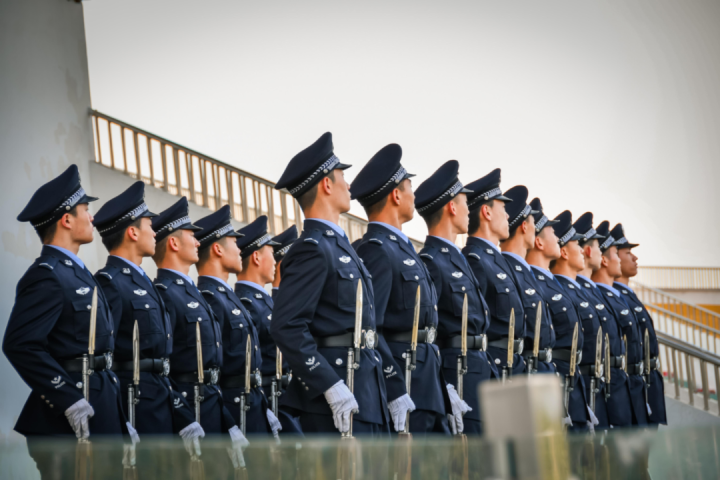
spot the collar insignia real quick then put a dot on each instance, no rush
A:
(258, 295)
(392, 237)
(270, 317)
(518, 268)
(557, 297)
(193, 304)
(625, 292)
(541, 277)
(68, 263)
(179, 281)
(236, 311)
(221, 289)
(609, 294)
(457, 274)
(530, 291)
(345, 259)
(409, 262)
(502, 276)
(140, 292)
(126, 271)
(329, 233)
(489, 251)
(571, 286)
(82, 290)
(444, 250)
(587, 285)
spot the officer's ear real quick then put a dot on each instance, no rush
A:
(217, 249)
(564, 253)
(256, 258)
(539, 244)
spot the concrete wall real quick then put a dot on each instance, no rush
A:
(44, 127)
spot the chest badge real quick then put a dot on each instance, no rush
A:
(193, 305)
(409, 262)
(179, 281)
(625, 312)
(457, 274)
(345, 259)
(236, 311)
(584, 304)
(557, 297)
(126, 271)
(502, 276)
(82, 290)
(518, 268)
(489, 251)
(530, 291)
(599, 306)
(638, 309)
(258, 295)
(388, 369)
(140, 292)
(221, 289)
(444, 249)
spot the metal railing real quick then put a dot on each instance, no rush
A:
(684, 329)
(685, 363)
(205, 181)
(680, 278)
(649, 295)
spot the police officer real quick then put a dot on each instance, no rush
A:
(284, 242)
(565, 270)
(628, 267)
(626, 405)
(488, 226)
(563, 314)
(47, 333)
(441, 201)
(315, 308)
(522, 230)
(125, 226)
(384, 189)
(175, 252)
(258, 269)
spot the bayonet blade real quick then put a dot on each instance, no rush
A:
(278, 364)
(607, 358)
(198, 349)
(511, 340)
(598, 351)
(416, 321)
(136, 354)
(248, 361)
(358, 316)
(573, 351)
(625, 354)
(538, 324)
(646, 346)
(463, 331)
(93, 323)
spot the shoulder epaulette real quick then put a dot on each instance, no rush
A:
(426, 255)
(207, 291)
(161, 285)
(108, 271)
(48, 262)
(46, 265)
(473, 254)
(375, 240)
(243, 299)
(314, 236)
(311, 240)
(105, 274)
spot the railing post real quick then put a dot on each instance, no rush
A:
(137, 155)
(112, 150)
(717, 385)
(243, 198)
(691, 383)
(99, 145)
(166, 186)
(178, 179)
(124, 150)
(705, 386)
(203, 177)
(676, 372)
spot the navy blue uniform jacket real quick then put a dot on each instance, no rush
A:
(49, 324)
(132, 297)
(530, 297)
(187, 307)
(496, 279)
(397, 271)
(316, 298)
(453, 278)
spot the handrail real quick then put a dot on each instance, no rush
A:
(650, 295)
(205, 181)
(687, 348)
(685, 329)
(680, 278)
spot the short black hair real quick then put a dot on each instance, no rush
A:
(307, 199)
(204, 251)
(114, 240)
(380, 204)
(47, 233)
(161, 247)
(474, 224)
(432, 219)
(583, 243)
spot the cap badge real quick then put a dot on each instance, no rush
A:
(530, 291)
(236, 311)
(502, 276)
(82, 290)
(140, 292)
(638, 309)
(557, 297)
(457, 274)
(409, 262)
(518, 268)
(193, 304)
(444, 250)
(345, 259)
(179, 281)
(68, 263)
(584, 304)
(625, 312)
(489, 251)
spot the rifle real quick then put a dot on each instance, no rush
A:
(646, 365)
(459, 467)
(83, 452)
(570, 377)
(244, 396)
(597, 371)
(197, 468)
(276, 384)
(411, 357)
(608, 371)
(130, 472)
(535, 360)
(507, 369)
(462, 358)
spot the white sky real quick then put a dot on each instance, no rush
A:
(612, 107)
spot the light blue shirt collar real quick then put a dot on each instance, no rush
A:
(185, 277)
(396, 231)
(571, 280)
(220, 281)
(495, 247)
(543, 271)
(72, 256)
(332, 225)
(136, 267)
(612, 289)
(254, 285)
(519, 259)
(625, 286)
(585, 279)
(448, 242)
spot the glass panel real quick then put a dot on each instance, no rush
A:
(104, 142)
(156, 153)
(210, 184)
(117, 146)
(129, 140)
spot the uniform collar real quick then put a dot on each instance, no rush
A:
(586, 279)
(612, 289)
(330, 224)
(181, 275)
(447, 241)
(495, 247)
(571, 280)
(394, 230)
(519, 259)
(136, 267)
(544, 272)
(218, 280)
(253, 285)
(69, 254)
(624, 286)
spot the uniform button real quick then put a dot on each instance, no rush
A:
(51, 405)
(168, 335)
(218, 344)
(352, 276)
(590, 316)
(507, 289)
(47, 401)
(417, 278)
(306, 388)
(114, 379)
(533, 304)
(184, 394)
(89, 307)
(147, 306)
(237, 399)
(199, 319)
(564, 309)
(42, 396)
(78, 384)
(112, 332)
(371, 306)
(463, 289)
(604, 319)
(256, 347)
(436, 308)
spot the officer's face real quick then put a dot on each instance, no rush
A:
(593, 255)
(146, 237)
(612, 262)
(530, 233)
(341, 191)
(575, 256)
(499, 224)
(407, 201)
(462, 213)
(81, 224)
(550, 242)
(188, 246)
(266, 258)
(628, 262)
(231, 260)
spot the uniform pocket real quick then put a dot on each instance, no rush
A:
(81, 319)
(207, 334)
(149, 318)
(347, 287)
(411, 280)
(502, 299)
(458, 296)
(560, 318)
(238, 334)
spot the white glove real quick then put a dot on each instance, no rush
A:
(134, 437)
(191, 436)
(593, 418)
(128, 455)
(459, 408)
(342, 403)
(398, 411)
(275, 425)
(567, 421)
(591, 428)
(78, 414)
(239, 443)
